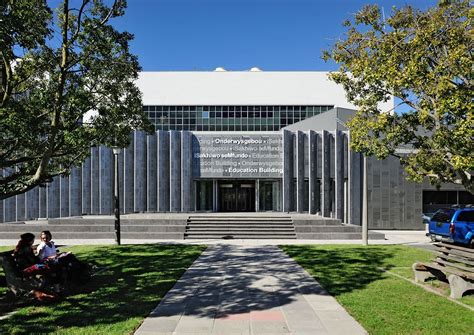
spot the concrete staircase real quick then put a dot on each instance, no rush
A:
(239, 227)
(319, 228)
(89, 227)
(180, 226)
(271, 226)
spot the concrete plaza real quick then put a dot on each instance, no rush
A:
(232, 289)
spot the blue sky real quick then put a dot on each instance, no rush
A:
(277, 35)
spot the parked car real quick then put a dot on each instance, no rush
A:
(426, 217)
(453, 225)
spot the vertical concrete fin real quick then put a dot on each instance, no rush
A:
(287, 169)
(313, 172)
(20, 207)
(106, 191)
(139, 172)
(151, 173)
(186, 171)
(128, 177)
(32, 204)
(121, 160)
(64, 196)
(75, 192)
(299, 171)
(164, 171)
(53, 198)
(95, 183)
(175, 171)
(86, 186)
(339, 174)
(325, 180)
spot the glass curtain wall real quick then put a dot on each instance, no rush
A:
(229, 118)
(203, 195)
(269, 195)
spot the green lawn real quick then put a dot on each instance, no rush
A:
(115, 301)
(383, 303)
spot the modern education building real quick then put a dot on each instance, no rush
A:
(233, 141)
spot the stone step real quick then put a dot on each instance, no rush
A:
(58, 236)
(338, 236)
(243, 223)
(238, 224)
(189, 230)
(248, 232)
(327, 229)
(317, 222)
(240, 237)
(230, 218)
(34, 228)
(124, 221)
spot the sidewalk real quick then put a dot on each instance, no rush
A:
(408, 237)
(233, 289)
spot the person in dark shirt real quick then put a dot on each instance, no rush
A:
(24, 253)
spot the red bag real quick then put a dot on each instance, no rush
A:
(36, 269)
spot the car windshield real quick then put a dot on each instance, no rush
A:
(443, 215)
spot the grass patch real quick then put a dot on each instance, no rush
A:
(382, 303)
(116, 300)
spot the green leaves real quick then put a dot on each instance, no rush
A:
(58, 65)
(425, 60)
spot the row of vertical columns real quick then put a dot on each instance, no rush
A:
(329, 199)
(155, 174)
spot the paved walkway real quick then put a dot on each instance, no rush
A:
(232, 289)
(408, 237)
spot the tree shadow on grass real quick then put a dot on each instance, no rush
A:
(342, 269)
(135, 279)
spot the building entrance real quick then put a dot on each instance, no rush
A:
(237, 196)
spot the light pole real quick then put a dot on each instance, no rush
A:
(116, 151)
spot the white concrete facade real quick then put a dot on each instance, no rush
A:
(243, 88)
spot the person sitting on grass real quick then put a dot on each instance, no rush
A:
(65, 263)
(25, 259)
(46, 249)
(24, 254)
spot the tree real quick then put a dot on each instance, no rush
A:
(425, 60)
(56, 66)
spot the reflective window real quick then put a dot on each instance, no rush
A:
(228, 118)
